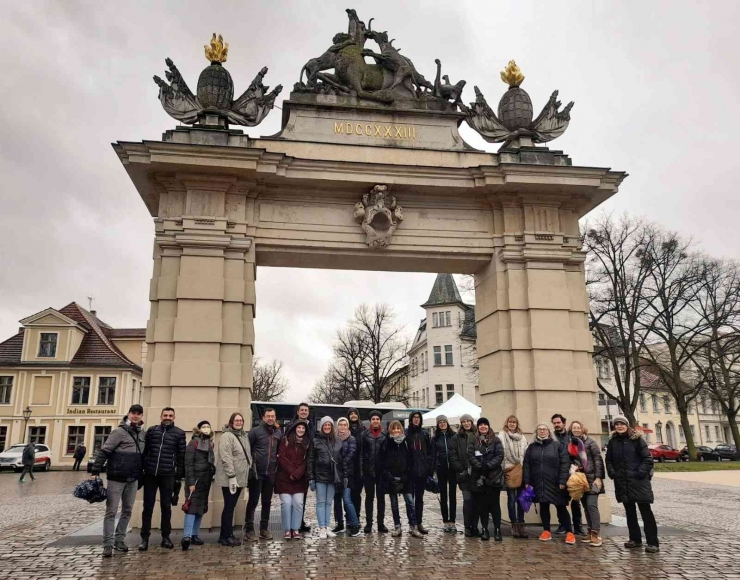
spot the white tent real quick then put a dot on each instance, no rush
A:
(456, 406)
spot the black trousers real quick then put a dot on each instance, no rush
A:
(372, 489)
(648, 521)
(76, 466)
(227, 516)
(470, 515)
(259, 488)
(27, 469)
(419, 485)
(152, 484)
(563, 516)
(448, 495)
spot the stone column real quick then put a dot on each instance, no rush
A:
(200, 334)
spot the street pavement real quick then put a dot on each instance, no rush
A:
(37, 520)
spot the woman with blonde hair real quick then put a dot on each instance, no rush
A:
(515, 446)
(585, 457)
(232, 473)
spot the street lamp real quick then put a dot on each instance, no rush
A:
(26, 416)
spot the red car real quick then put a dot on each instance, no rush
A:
(664, 453)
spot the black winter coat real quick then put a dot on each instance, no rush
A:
(393, 466)
(357, 429)
(200, 467)
(630, 464)
(369, 450)
(462, 442)
(487, 470)
(164, 451)
(546, 468)
(80, 452)
(421, 452)
(442, 448)
(264, 441)
(323, 455)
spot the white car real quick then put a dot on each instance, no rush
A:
(12, 458)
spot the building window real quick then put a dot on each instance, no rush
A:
(75, 437)
(435, 320)
(448, 320)
(647, 435)
(706, 432)
(437, 355)
(6, 389)
(81, 391)
(693, 431)
(450, 391)
(448, 354)
(643, 403)
(716, 434)
(602, 399)
(681, 433)
(667, 403)
(659, 433)
(714, 407)
(37, 435)
(101, 434)
(690, 408)
(438, 394)
(107, 391)
(656, 407)
(3, 438)
(48, 344)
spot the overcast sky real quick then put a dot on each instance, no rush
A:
(656, 87)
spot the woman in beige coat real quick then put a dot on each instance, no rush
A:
(232, 473)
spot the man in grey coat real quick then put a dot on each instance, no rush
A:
(122, 453)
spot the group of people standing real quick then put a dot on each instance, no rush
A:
(339, 460)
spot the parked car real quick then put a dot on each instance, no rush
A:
(703, 453)
(727, 451)
(665, 453)
(12, 458)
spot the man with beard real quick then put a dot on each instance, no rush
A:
(263, 440)
(560, 434)
(164, 463)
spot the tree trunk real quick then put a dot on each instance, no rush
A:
(687, 433)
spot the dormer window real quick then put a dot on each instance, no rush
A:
(48, 345)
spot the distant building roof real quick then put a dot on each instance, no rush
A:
(96, 348)
(444, 291)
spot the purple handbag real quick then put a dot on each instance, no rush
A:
(526, 498)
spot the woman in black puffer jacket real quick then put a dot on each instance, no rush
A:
(546, 467)
(200, 467)
(461, 443)
(486, 456)
(630, 464)
(445, 474)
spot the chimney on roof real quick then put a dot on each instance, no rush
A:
(94, 312)
(21, 328)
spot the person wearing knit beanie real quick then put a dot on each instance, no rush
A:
(620, 419)
(446, 476)
(482, 421)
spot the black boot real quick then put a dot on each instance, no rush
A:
(166, 543)
(338, 529)
(497, 535)
(120, 547)
(196, 541)
(468, 532)
(485, 535)
(368, 528)
(107, 551)
(382, 529)
(305, 528)
(144, 546)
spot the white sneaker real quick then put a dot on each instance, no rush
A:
(322, 533)
(329, 533)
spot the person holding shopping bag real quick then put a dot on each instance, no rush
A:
(200, 467)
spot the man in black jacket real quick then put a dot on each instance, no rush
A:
(303, 413)
(560, 434)
(79, 455)
(356, 428)
(122, 452)
(421, 458)
(164, 462)
(371, 443)
(263, 440)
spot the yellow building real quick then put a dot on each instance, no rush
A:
(76, 375)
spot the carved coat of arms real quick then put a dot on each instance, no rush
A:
(379, 215)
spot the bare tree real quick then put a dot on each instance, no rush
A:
(268, 382)
(328, 391)
(384, 348)
(617, 271)
(351, 351)
(675, 329)
(718, 361)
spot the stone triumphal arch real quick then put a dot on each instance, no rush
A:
(368, 172)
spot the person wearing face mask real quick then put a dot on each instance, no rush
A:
(546, 469)
(291, 479)
(372, 440)
(446, 476)
(515, 446)
(393, 467)
(630, 464)
(462, 444)
(200, 467)
(486, 458)
(232, 473)
(585, 456)
(164, 464)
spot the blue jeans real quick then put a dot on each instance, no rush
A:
(191, 527)
(408, 499)
(349, 507)
(291, 510)
(324, 498)
(516, 513)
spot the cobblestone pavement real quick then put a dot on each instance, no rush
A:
(52, 513)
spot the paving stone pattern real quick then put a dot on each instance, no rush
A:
(26, 551)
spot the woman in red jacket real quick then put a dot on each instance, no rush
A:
(291, 479)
